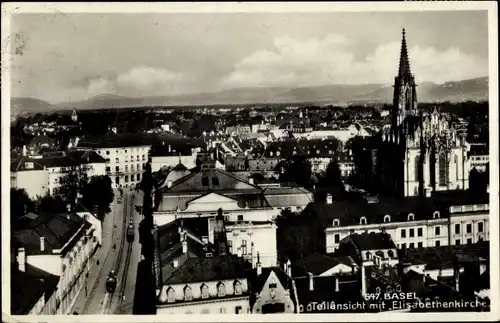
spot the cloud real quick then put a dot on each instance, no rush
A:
(137, 81)
(292, 62)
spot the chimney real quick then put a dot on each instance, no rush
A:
(251, 181)
(259, 265)
(169, 148)
(311, 282)
(239, 252)
(363, 281)
(176, 263)
(289, 268)
(169, 183)
(337, 285)
(25, 150)
(42, 244)
(329, 198)
(68, 207)
(427, 192)
(21, 259)
(457, 278)
(184, 246)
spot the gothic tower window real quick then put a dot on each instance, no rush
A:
(443, 170)
(456, 166)
(417, 168)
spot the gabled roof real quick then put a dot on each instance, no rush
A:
(256, 282)
(25, 291)
(317, 264)
(57, 230)
(57, 159)
(372, 241)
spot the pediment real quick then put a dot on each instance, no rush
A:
(212, 202)
(212, 198)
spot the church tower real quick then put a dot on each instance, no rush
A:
(405, 94)
(220, 237)
(74, 116)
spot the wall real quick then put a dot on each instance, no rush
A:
(264, 238)
(35, 182)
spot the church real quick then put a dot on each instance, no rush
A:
(418, 152)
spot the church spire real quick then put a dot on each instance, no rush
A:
(404, 61)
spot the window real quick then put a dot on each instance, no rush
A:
(387, 218)
(336, 238)
(138, 167)
(368, 255)
(378, 290)
(204, 291)
(126, 178)
(240, 217)
(117, 180)
(230, 246)
(390, 254)
(469, 241)
(443, 170)
(438, 243)
(244, 247)
(117, 168)
(125, 150)
(131, 168)
(398, 288)
(223, 310)
(138, 177)
(108, 169)
(137, 158)
(457, 228)
(389, 288)
(420, 232)
(480, 227)
(436, 215)
(456, 166)
(221, 290)
(403, 233)
(403, 246)
(143, 157)
(237, 309)
(417, 168)
(170, 295)
(362, 220)
(188, 293)
(237, 288)
(420, 244)
(336, 222)
(437, 231)
(411, 217)
(215, 181)
(204, 181)
(412, 245)
(126, 168)
(457, 242)
(107, 152)
(412, 233)
(469, 228)
(117, 160)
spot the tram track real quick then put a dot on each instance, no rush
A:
(116, 297)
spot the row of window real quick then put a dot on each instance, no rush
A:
(387, 218)
(437, 230)
(389, 289)
(117, 160)
(133, 150)
(126, 178)
(437, 243)
(205, 181)
(204, 291)
(380, 253)
(132, 168)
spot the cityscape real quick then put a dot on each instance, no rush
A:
(365, 196)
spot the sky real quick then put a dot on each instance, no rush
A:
(75, 56)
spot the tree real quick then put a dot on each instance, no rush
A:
(20, 203)
(73, 182)
(50, 204)
(98, 192)
(295, 169)
(332, 177)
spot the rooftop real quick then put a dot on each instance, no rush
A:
(372, 241)
(58, 159)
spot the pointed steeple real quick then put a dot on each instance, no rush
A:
(404, 61)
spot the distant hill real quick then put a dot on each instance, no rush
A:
(473, 89)
(30, 105)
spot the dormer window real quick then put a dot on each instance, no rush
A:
(362, 220)
(389, 289)
(188, 293)
(277, 153)
(238, 290)
(368, 255)
(411, 217)
(170, 295)
(221, 290)
(436, 215)
(387, 218)
(390, 254)
(378, 290)
(336, 222)
(271, 153)
(398, 288)
(204, 291)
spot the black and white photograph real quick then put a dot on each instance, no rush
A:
(250, 158)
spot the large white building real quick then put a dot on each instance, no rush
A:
(40, 175)
(249, 210)
(61, 245)
(413, 222)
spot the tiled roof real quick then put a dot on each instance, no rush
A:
(287, 196)
(316, 264)
(25, 291)
(61, 159)
(324, 291)
(350, 213)
(286, 148)
(57, 230)
(175, 147)
(113, 140)
(372, 241)
(445, 256)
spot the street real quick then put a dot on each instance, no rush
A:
(123, 259)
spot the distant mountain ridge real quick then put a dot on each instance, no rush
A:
(472, 89)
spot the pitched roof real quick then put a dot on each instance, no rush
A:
(287, 196)
(372, 241)
(58, 159)
(25, 291)
(56, 229)
(118, 140)
(317, 264)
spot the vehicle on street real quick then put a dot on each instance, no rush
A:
(130, 232)
(111, 282)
